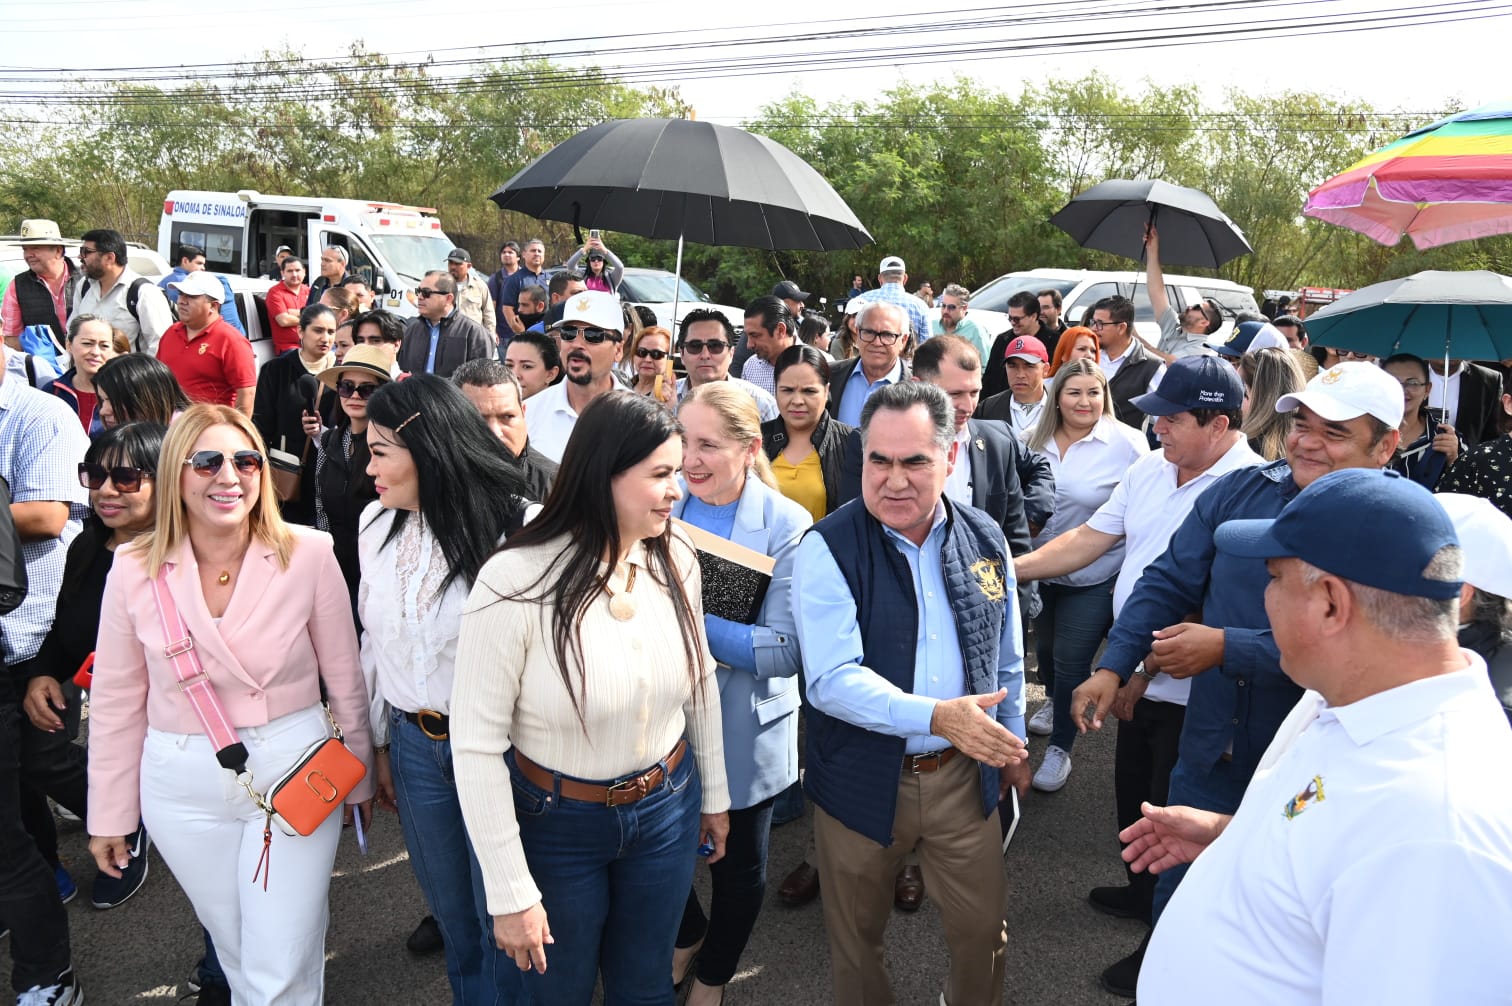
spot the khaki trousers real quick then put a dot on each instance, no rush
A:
(960, 852)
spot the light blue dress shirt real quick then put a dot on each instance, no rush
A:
(830, 636)
(858, 389)
(435, 340)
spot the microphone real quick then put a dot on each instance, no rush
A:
(309, 390)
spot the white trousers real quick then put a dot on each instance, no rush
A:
(270, 943)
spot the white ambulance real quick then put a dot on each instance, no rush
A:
(389, 245)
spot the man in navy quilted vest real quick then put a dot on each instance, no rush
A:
(913, 662)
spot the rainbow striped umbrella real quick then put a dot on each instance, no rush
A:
(1447, 182)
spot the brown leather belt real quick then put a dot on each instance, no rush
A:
(436, 726)
(627, 791)
(922, 764)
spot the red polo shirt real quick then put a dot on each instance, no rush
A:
(280, 299)
(213, 365)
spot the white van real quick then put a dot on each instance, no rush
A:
(1081, 288)
(389, 245)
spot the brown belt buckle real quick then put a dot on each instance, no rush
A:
(917, 763)
(636, 785)
(420, 717)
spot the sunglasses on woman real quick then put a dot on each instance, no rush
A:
(651, 354)
(207, 464)
(346, 389)
(125, 478)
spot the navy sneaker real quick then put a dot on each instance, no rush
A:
(67, 889)
(112, 891)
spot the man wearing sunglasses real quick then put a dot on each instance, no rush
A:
(707, 347)
(441, 339)
(591, 335)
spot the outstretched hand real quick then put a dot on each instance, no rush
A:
(1169, 836)
(965, 723)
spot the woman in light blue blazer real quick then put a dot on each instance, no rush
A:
(731, 493)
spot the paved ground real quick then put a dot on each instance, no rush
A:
(141, 952)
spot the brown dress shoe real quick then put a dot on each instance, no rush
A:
(908, 890)
(800, 887)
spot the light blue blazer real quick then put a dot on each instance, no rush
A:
(760, 711)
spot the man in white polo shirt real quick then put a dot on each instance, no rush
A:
(1370, 860)
(1196, 406)
(591, 333)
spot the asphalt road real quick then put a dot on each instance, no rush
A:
(1065, 844)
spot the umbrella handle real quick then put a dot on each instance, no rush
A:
(577, 231)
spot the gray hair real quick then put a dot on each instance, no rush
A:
(904, 396)
(341, 253)
(440, 280)
(487, 372)
(1402, 617)
(905, 324)
(957, 291)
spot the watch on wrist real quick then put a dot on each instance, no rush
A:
(1140, 672)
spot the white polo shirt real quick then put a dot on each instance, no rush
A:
(1146, 508)
(1370, 862)
(549, 420)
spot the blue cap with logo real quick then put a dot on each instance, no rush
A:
(1193, 382)
(1250, 337)
(1374, 527)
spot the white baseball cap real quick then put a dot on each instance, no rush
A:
(602, 310)
(892, 264)
(200, 284)
(1348, 391)
(1485, 535)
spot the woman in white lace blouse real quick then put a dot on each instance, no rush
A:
(446, 497)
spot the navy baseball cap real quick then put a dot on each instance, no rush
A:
(1193, 382)
(788, 290)
(1374, 527)
(1252, 335)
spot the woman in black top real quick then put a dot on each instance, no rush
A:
(802, 376)
(342, 485)
(287, 388)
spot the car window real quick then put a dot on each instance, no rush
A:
(996, 294)
(1079, 310)
(1231, 301)
(657, 288)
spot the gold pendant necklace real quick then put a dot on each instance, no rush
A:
(224, 578)
(621, 605)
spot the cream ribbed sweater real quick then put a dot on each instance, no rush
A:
(509, 692)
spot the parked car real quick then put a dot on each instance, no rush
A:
(140, 259)
(1081, 288)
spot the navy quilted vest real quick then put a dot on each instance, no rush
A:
(852, 772)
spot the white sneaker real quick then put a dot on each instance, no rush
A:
(1053, 771)
(1043, 720)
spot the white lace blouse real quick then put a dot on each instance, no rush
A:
(409, 628)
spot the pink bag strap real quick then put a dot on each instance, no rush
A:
(192, 679)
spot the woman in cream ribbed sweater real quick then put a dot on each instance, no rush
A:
(586, 721)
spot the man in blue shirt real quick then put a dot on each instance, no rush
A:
(883, 331)
(191, 259)
(891, 275)
(1347, 417)
(913, 662)
(529, 274)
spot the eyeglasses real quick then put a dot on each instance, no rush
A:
(424, 291)
(1014, 319)
(125, 479)
(954, 307)
(207, 464)
(592, 336)
(873, 335)
(1413, 384)
(651, 354)
(696, 347)
(1098, 326)
(346, 389)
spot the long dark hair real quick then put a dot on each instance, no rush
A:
(614, 433)
(140, 387)
(469, 492)
(130, 445)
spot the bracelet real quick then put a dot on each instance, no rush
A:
(381, 749)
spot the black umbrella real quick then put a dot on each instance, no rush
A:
(1111, 217)
(682, 179)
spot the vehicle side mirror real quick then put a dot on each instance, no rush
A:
(380, 284)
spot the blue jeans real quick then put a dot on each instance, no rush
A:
(614, 881)
(211, 974)
(446, 867)
(739, 889)
(1218, 789)
(1067, 632)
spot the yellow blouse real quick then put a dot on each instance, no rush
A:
(802, 483)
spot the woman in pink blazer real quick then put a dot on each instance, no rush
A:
(267, 609)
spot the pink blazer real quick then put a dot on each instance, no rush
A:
(283, 631)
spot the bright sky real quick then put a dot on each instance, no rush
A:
(1416, 68)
